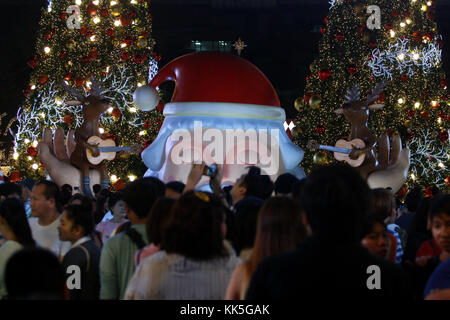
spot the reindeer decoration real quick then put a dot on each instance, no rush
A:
(390, 167)
(93, 106)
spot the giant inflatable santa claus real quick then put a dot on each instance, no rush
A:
(224, 110)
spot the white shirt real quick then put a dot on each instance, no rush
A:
(48, 237)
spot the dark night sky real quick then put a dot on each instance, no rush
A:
(20, 20)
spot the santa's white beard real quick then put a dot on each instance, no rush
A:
(182, 141)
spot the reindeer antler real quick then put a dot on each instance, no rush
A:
(73, 92)
(353, 94)
(375, 92)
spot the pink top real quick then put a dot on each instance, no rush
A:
(145, 252)
(107, 227)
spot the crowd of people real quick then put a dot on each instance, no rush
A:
(322, 236)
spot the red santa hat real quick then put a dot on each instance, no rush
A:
(215, 77)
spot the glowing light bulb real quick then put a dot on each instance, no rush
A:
(402, 24)
(441, 165)
(416, 56)
(439, 120)
(34, 166)
(143, 132)
(58, 101)
(123, 45)
(88, 84)
(107, 69)
(400, 101)
(113, 3)
(417, 105)
(133, 109)
(114, 178)
(392, 32)
(30, 158)
(78, 2)
(110, 109)
(95, 2)
(35, 143)
(42, 115)
(434, 103)
(408, 21)
(131, 178)
(101, 130)
(401, 56)
(413, 176)
(96, 20)
(33, 87)
(429, 3)
(47, 50)
(92, 38)
(424, 8)
(15, 155)
(139, 84)
(27, 141)
(133, 2)
(117, 23)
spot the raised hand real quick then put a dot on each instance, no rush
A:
(55, 154)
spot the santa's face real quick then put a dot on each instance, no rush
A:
(235, 150)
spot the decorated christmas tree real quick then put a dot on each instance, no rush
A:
(404, 50)
(77, 40)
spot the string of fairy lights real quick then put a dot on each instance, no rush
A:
(111, 42)
(406, 51)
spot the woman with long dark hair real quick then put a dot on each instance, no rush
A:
(279, 229)
(15, 229)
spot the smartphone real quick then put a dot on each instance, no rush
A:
(210, 171)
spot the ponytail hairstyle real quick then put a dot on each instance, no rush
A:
(13, 212)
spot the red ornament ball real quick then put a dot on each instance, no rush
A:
(372, 44)
(119, 185)
(323, 29)
(43, 78)
(110, 32)
(425, 115)
(404, 77)
(79, 82)
(62, 55)
(320, 129)
(116, 113)
(324, 74)
(352, 69)
(68, 76)
(128, 41)
(411, 113)
(68, 119)
(125, 20)
(32, 64)
(104, 12)
(14, 176)
(146, 124)
(83, 30)
(91, 9)
(382, 97)
(125, 55)
(444, 83)
(63, 16)
(139, 58)
(32, 151)
(443, 135)
(417, 36)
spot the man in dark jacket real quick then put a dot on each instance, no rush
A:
(331, 263)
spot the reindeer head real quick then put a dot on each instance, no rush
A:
(94, 104)
(357, 111)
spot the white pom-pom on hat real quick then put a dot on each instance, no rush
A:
(146, 98)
